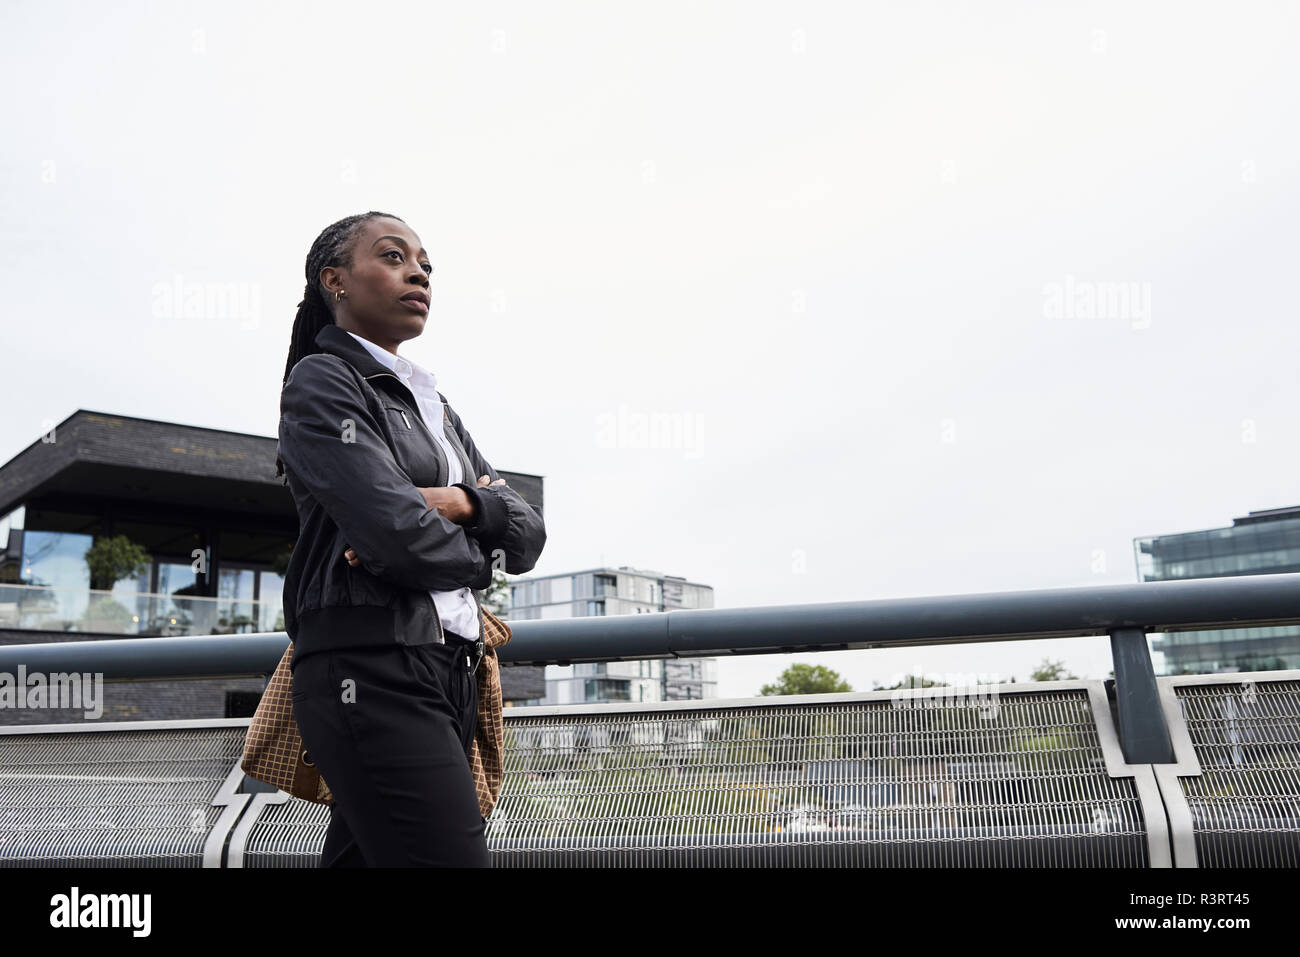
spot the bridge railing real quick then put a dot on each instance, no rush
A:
(1138, 771)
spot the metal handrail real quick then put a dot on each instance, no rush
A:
(1124, 612)
(1192, 604)
(1185, 605)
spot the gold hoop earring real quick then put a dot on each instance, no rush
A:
(340, 294)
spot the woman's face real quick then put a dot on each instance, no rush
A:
(387, 288)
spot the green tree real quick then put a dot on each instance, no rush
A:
(1051, 671)
(109, 560)
(496, 597)
(807, 679)
(112, 559)
(911, 681)
(803, 736)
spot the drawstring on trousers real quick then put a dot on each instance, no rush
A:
(474, 651)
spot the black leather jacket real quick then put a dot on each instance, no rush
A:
(354, 449)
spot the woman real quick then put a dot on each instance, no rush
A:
(380, 596)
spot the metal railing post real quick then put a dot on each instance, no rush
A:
(1143, 734)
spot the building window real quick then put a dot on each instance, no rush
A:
(607, 689)
(235, 613)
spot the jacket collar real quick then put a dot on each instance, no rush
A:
(337, 342)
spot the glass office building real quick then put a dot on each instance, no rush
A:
(1260, 543)
(616, 591)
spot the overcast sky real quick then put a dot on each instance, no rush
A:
(941, 298)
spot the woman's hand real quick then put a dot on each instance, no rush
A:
(452, 504)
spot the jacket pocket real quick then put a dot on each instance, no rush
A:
(413, 447)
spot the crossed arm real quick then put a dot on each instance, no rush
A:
(428, 538)
(454, 504)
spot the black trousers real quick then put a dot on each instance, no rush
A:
(390, 728)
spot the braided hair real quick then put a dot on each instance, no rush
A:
(333, 247)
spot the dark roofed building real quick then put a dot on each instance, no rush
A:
(214, 527)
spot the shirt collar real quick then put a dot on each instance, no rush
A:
(403, 368)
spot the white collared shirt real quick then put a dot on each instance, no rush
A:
(456, 608)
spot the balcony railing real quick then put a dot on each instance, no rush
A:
(144, 614)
